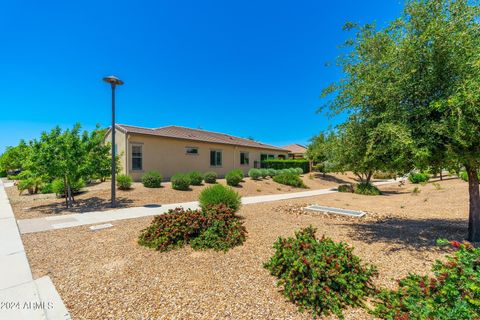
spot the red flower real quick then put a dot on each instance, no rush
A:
(455, 244)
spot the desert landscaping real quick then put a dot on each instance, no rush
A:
(105, 274)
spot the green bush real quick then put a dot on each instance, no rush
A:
(345, 188)
(453, 292)
(219, 194)
(152, 179)
(32, 184)
(298, 170)
(238, 172)
(3, 174)
(272, 172)
(289, 179)
(46, 188)
(284, 164)
(367, 189)
(124, 182)
(320, 275)
(264, 173)
(233, 178)
(180, 181)
(255, 174)
(418, 177)
(196, 178)
(58, 187)
(215, 227)
(210, 177)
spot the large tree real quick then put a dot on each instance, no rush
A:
(423, 72)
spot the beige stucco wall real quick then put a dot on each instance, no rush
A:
(168, 156)
(120, 141)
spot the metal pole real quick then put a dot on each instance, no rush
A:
(113, 146)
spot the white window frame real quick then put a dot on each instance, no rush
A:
(221, 158)
(140, 145)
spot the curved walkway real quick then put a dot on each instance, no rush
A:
(99, 217)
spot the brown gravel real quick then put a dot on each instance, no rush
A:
(97, 197)
(107, 275)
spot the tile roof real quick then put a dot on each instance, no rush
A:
(295, 148)
(197, 135)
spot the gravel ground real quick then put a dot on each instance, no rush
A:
(107, 275)
(97, 197)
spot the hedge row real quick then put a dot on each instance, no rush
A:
(285, 164)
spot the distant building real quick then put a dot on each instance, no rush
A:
(296, 151)
(175, 149)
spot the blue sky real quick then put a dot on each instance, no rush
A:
(248, 68)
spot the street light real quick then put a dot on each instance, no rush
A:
(114, 81)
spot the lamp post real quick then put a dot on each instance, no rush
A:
(114, 81)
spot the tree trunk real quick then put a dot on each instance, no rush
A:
(65, 191)
(474, 213)
(369, 177)
(441, 175)
(70, 195)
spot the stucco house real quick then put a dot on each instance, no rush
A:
(296, 151)
(174, 149)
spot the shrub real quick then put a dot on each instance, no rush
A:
(58, 187)
(219, 194)
(289, 179)
(3, 173)
(298, 170)
(255, 174)
(289, 163)
(215, 227)
(32, 184)
(180, 181)
(152, 179)
(464, 176)
(345, 188)
(418, 177)
(272, 172)
(223, 230)
(451, 293)
(384, 175)
(196, 178)
(233, 178)
(124, 182)
(238, 172)
(46, 188)
(264, 173)
(210, 177)
(416, 191)
(367, 189)
(320, 275)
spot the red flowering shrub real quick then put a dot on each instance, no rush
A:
(452, 293)
(319, 274)
(214, 227)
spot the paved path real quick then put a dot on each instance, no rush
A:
(100, 217)
(21, 297)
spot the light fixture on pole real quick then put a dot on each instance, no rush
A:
(114, 81)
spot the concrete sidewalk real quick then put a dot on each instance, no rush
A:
(21, 297)
(100, 217)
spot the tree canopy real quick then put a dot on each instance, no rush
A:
(415, 88)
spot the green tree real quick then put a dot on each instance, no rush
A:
(317, 152)
(60, 155)
(15, 157)
(423, 72)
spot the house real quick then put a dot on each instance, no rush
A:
(174, 149)
(296, 151)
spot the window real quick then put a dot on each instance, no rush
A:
(244, 158)
(215, 158)
(191, 150)
(271, 156)
(137, 157)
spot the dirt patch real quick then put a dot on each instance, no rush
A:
(97, 197)
(107, 275)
